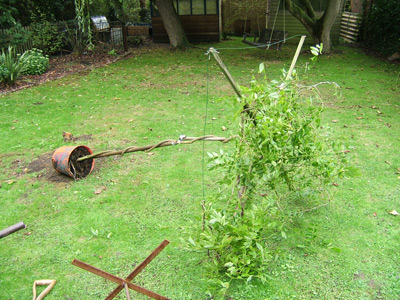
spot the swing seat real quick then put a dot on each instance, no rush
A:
(265, 40)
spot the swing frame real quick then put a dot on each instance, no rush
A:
(268, 39)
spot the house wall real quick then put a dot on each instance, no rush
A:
(238, 14)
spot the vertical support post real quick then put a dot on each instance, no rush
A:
(125, 37)
(138, 269)
(296, 56)
(226, 72)
(128, 297)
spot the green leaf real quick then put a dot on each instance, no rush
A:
(336, 249)
(261, 68)
(191, 241)
(314, 51)
(95, 232)
(228, 264)
(352, 172)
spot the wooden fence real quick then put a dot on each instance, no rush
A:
(21, 47)
(350, 26)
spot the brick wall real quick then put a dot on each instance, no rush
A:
(236, 14)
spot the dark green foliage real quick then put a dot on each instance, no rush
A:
(79, 32)
(35, 62)
(134, 41)
(14, 33)
(76, 38)
(52, 9)
(3, 72)
(383, 26)
(46, 35)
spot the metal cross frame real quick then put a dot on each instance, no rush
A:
(126, 283)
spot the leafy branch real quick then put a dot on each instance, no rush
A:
(283, 155)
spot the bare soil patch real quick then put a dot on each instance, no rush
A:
(42, 165)
(61, 66)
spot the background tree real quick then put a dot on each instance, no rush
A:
(14, 33)
(383, 26)
(60, 10)
(319, 28)
(172, 24)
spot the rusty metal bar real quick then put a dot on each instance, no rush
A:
(117, 280)
(139, 269)
(12, 229)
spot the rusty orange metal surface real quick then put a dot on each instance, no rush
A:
(61, 159)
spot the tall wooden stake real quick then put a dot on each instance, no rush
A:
(225, 71)
(296, 56)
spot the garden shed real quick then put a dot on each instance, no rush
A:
(239, 16)
(200, 19)
(208, 20)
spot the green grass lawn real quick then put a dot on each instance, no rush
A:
(117, 215)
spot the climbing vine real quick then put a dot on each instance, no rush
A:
(283, 155)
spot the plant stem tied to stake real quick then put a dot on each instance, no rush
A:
(182, 140)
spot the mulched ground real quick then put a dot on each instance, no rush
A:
(68, 64)
(59, 67)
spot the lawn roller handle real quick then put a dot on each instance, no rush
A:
(12, 229)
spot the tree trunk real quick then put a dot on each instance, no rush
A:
(172, 24)
(320, 29)
(328, 19)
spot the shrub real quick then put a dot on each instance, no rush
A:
(76, 38)
(383, 36)
(12, 65)
(12, 32)
(36, 63)
(3, 72)
(46, 36)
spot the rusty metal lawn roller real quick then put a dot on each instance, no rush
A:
(65, 161)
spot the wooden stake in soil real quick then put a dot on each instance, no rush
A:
(126, 283)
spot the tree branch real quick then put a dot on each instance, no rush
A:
(307, 19)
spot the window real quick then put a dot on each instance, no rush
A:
(197, 7)
(184, 7)
(191, 7)
(211, 6)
